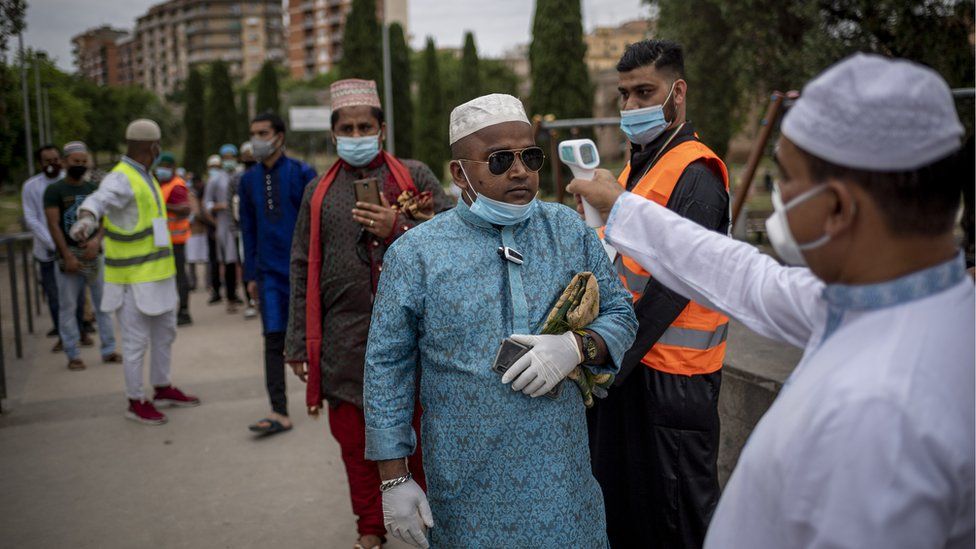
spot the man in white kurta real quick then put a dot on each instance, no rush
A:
(146, 311)
(871, 440)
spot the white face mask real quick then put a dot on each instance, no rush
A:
(778, 228)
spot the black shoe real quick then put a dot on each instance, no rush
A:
(52, 333)
(88, 327)
(183, 319)
(214, 299)
(235, 301)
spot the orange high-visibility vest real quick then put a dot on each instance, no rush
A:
(179, 225)
(695, 341)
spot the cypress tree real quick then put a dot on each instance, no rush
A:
(469, 83)
(221, 115)
(194, 148)
(560, 81)
(244, 115)
(362, 47)
(402, 102)
(268, 95)
(431, 144)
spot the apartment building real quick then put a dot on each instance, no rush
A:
(605, 45)
(96, 54)
(315, 29)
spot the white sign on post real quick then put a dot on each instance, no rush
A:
(309, 119)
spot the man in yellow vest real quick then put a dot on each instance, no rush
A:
(178, 210)
(654, 440)
(140, 274)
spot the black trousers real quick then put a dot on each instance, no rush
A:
(213, 266)
(49, 285)
(182, 284)
(274, 371)
(654, 443)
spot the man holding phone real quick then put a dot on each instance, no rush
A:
(270, 194)
(364, 203)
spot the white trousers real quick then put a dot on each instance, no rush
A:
(139, 333)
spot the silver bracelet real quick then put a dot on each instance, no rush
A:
(394, 482)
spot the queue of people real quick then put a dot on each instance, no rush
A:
(424, 330)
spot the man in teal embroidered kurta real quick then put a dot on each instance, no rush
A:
(503, 469)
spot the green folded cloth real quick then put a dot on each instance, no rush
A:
(577, 308)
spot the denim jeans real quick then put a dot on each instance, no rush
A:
(71, 292)
(50, 287)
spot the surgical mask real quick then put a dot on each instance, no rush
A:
(164, 174)
(77, 172)
(495, 212)
(52, 170)
(262, 149)
(644, 125)
(778, 228)
(213, 173)
(229, 165)
(358, 151)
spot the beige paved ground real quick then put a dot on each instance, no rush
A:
(74, 473)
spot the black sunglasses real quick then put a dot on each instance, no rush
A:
(500, 162)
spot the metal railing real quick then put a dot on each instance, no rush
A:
(14, 246)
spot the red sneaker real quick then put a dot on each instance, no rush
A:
(174, 397)
(144, 412)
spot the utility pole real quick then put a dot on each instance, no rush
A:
(40, 105)
(387, 83)
(28, 135)
(47, 113)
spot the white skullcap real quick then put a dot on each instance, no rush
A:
(143, 129)
(75, 147)
(872, 113)
(247, 148)
(213, 161)
(485, 111)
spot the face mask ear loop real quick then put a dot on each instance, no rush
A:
(470, 188)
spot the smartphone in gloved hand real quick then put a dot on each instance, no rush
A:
(508, 354)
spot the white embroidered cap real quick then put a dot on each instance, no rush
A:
(485, 111)
(143, 129)
(873, 113)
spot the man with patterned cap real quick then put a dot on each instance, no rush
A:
(269, 195)
(140, 274)
(871, 441)
(505, 468)
(365, 202)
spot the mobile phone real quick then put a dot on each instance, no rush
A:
(508, 354)
(367, 190)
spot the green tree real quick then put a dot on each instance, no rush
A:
(497, 77)
(560, 81)
(220, 114)
(268, 98)
(402, 102)
(431, 144)
(362, 48)
(469, 85)
(243, 113)
(195, 145)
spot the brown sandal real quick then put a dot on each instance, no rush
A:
(76, 364)
(112, 358)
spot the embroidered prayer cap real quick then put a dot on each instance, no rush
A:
(484, 111)
(873, 113)
(228, 148)
(246, 148)
(354, 92)
(143, 129)
(213, 161)
(75, 147)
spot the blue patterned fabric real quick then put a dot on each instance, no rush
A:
(269, 204)
(865, 297)
(503, 469)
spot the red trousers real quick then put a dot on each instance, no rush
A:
(348, 426)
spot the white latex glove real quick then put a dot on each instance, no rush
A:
(83, 228)
(551, 359)
(406, 513)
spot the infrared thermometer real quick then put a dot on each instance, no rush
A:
(582, 157)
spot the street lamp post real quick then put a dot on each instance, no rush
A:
(388, 83)
(41, 136)
(28, 136)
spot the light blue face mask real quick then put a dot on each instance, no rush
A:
(495, 212)
(644, 125)
(358, 151)
(213, 173)
(164, 174)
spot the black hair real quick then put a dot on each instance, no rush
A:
(665, 55)
(276, 122)
(42, 148)
(375, 111)
(920, 202)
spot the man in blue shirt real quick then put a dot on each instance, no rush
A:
(270, 195)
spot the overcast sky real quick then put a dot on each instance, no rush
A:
(497, 24)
